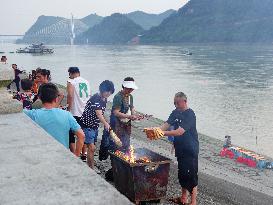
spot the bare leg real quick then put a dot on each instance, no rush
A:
(194, 196)
(184, 197)
(83, 149)
(90, 155)
(72, 147)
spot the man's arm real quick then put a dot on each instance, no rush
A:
(102, 119)
(80, 142)
(60, 99)
(121, 115)
(70, 90)
(165, 126)
(178, 132)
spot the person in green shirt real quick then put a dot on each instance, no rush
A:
(123, 112)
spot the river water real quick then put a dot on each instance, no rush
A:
(229, 86)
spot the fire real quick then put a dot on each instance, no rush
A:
(122, 155)
(143, 160)
(131, 154)
(131, 158)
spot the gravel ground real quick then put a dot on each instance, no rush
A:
(222, 181)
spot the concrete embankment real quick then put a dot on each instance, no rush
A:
(36, 169)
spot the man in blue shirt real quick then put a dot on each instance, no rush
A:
(186, 146)
(55, 121)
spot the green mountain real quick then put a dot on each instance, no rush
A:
(148, 21)
(114, 29)
(57, 30)
(216, 21)
(92, 20)
(43, 21)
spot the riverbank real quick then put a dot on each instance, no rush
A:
(221, 180)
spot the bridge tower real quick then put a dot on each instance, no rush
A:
(72, 35)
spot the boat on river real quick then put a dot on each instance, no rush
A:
(36, 48)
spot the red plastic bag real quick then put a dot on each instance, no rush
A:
(223, 152)
(251, 163)
(240, 160)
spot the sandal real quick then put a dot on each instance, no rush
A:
(176, 200)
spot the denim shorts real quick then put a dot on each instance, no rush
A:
(90, 135)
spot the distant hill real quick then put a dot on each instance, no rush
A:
(91, 20)
(43, 21)
(114, 29)
(216, 21)
(56, 30)
(146, 20)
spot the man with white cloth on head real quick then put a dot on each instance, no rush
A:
(123, 112)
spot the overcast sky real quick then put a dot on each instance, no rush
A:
(16, 16)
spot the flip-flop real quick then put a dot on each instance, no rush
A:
(176, 200)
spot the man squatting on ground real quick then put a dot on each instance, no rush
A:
(55, 121)
(78, 93)
(94, 114)
(186, 146)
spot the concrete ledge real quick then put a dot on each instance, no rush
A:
(7, 104)
(36, 169)
(4, 83)
(6, 74)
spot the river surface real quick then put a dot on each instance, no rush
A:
(229, 86)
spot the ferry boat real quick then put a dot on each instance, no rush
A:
(35, 48)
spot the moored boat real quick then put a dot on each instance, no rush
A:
(35, 48)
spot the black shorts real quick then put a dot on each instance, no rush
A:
(71, 133)
(188, 172)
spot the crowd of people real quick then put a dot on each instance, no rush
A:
(76, 125)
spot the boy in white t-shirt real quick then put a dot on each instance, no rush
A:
(78, 93)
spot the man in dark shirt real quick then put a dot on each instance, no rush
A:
(186, 146)
(16, 77)
(93, 115)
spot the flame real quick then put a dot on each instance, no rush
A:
(145, 159)
(131, 158)
(131, 154)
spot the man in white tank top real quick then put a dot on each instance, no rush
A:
(78, 93)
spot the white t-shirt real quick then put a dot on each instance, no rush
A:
(81, 95)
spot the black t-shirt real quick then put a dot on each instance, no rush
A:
(187, 144)
(17, 72)
(89, 118)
